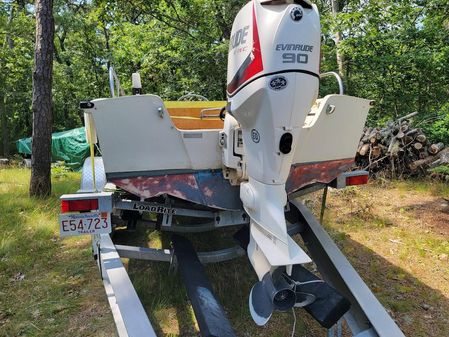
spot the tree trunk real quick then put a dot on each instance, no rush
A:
(40, 184)
(4, 118)
(5, 131)
(338, 38)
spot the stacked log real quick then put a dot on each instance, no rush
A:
(399, 150)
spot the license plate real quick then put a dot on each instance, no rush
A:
(85, 223)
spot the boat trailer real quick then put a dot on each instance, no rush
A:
(272, 141)
(365, 318)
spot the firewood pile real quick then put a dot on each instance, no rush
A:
(399, 150)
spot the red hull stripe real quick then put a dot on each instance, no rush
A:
(252, 65)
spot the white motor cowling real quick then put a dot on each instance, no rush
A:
(273, 79)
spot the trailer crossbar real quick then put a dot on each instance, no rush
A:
(165, 255)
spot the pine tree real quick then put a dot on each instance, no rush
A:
(40, 184)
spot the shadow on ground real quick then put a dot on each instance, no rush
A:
(418, 309)
(433, 214)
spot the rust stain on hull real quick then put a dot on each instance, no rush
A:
(207, 188)
(324, 172)
(211, 189)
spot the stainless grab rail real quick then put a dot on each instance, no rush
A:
(191, 97)
(114, 83)
(205, 115)
(339, 80)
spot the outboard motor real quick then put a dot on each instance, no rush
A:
(272, 83)
(273, 80)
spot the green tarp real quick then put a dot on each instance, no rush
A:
(68, 146)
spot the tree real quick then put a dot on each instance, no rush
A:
(16, 63)
(394, 52)
(40, 184)
(8, 43)
(338, 37)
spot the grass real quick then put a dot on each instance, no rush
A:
(165, 299)
(396, 234)
(48, 286)
(393, 233)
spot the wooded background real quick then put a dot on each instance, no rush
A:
(394, 52)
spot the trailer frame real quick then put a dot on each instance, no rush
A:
(366, 318)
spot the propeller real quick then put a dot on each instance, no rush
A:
(272, 293)
(278, 291)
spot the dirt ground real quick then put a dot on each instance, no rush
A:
(397, 237)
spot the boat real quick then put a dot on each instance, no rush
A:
(272, 138)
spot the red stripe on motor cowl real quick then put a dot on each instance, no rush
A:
(256, 65)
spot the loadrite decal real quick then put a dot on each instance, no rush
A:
(153, 209)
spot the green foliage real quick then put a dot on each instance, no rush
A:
(396, 52)
(443, 170)
(16, 58)
(438, 127)
(177, 46)
(59, 170)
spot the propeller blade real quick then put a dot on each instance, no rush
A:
(260, 304)
(272, 293)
